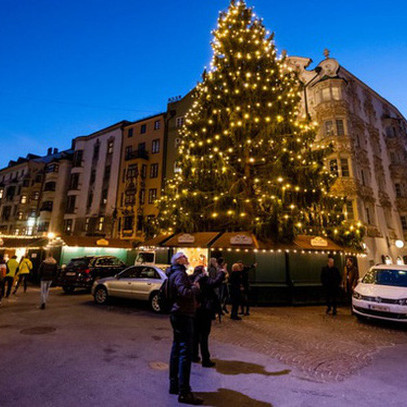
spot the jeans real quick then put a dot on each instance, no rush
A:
(181, 352)
(21, 277)
(202, 329)
(9, 281)
(45, 286)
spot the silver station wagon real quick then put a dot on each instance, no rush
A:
(136, 282)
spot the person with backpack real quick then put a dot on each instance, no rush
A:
(24, 270)
(183, 295)
(47, 273)
(12, 269)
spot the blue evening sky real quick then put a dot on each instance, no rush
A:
(72, 67)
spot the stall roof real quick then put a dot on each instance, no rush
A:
(157, 240)
(200, 239)
(308, 242)
(21, 242)
(95, 241)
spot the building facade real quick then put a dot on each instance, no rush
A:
(92, 186)
(141, 175)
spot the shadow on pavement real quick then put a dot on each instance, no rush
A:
(235, 367)
(230, 398)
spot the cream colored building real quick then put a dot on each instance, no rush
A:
(370, 142)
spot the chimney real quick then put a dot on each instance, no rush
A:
(55, 151)
(49, 151)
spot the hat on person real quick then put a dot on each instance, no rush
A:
(176, 256)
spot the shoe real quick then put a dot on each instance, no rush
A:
(208, 363)
(42, 306)
(236, 318)
(196, 359)
(190, 398)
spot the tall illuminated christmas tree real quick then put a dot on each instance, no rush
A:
(247, 161)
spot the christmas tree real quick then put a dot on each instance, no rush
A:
(246, 160)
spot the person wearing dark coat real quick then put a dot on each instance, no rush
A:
(350, 278)
(245, 270)
(183, 294)
(331, 281)
(235, 288)
(205, 313)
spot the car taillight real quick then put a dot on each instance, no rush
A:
(87, 271)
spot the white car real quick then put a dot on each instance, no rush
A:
(136, 282)
(382, 293)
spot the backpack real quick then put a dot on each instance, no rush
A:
(165, 296)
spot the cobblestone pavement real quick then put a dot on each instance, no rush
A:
(323, 347)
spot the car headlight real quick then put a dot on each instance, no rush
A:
(402, 301)
(357, 296)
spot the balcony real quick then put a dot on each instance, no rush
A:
(133, 155)
(398, 170)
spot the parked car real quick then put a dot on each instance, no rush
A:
(136, 282)
(82, 272)
(382, 293)
(149, 258)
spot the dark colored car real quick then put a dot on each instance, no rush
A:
(82, 272)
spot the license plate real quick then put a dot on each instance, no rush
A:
(70, 273)
(379, 307)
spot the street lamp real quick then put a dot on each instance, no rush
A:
(399, 244)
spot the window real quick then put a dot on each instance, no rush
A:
(20, 215)
(328, 128)
(77, 158)
(36, 195)
(326, 94)
(140, 222)
(47, 206)
(129, 152)
(398, 190)
(128, 223)
(144, 171)
(101, 223)
(153, 170)
(6, 213)
(340, 128)
(50, 168)
(152, 195)
(362, 174)
(92, 176)
(335, 93)
(50, 186)
(68, 225)
(142, 196)
(130, 133)
(368, 216)
(155, 147)
(110, 145)
(141, 147)
(393, 158)
(96, 149)
(104, 197)
(90, 199)
(26, 183)
(87, 222)
(43, 227)
(345, 167)
(130, 199)
(349, 210)
(74, 181)
(70, 204)
(403, 222)
(23, 199)
(106, 176)
(157, 125)
(132, 171)
(333, 167)
(143, 128)
(179, 121)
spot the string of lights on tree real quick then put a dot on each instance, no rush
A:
(247, 160)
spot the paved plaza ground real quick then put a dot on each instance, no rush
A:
(76, 353)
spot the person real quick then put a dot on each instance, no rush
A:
(223, 289)
(235, 284)
(12, 268)
(183, 294)
(331, 281)
(245, 270)
(47, 273)
(3, 271)
(24, 270)
(207, 308)
(212, 267)
(350, 277)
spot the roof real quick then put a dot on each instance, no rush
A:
(156, 241)
(200, 239)
(105, 130)
(22, 242)
(96, 241)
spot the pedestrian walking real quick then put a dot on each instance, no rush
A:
(235, 284)
(331, 281)
(47, 273)
(3, 271)
(205, 313)
(224, 288)
(245, 270)
(183, 294)
(350, 278)
(12, 268)
(24, 269)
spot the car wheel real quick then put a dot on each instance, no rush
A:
(68, 289)
(101, 296)
(155, 302)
